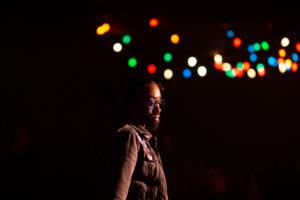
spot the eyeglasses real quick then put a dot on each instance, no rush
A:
(152, 104)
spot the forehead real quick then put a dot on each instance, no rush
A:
(152, 91)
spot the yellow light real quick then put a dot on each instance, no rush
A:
(288, 63)
(168, 74)
(226, 67)
(104, 28)
(192, 61)
(285, 42)
(175, 38)
(117, 47)
(251, 73)
(218, 58)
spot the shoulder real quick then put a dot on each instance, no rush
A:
(126, 131)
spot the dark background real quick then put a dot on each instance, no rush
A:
(61, 85)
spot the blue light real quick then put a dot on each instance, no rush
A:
(230, 33)
(295, 57)
(187, 73)
(251, 48)
(272, 61)
(253, 57)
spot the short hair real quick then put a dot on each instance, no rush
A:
(137, 83)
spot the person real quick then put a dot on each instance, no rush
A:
(136, 170)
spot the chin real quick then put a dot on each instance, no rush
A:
(153, 125)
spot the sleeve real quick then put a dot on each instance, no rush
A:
(126, 157)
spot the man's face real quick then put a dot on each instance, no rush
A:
(151, 106)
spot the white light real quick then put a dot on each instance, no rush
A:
(251, 73)
(282, 68)
(168, 74)
(117, 47)
(285, 42)
(218, 58)
(202, 71)
(192, 61)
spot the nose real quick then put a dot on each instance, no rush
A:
(157, 108)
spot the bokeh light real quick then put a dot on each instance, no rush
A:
(151, 69)
(168, 74)
(237, 42)
(187, 73)
(285, 42)
(117, 47)
(230, 33)
(174, 38)
(104, 28)
(202, 71)
(126, 39)
(132, 62)
(192, 61)
(168, 57)
(251, 73)
(153, 22)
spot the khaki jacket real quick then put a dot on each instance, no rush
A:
(137, 168)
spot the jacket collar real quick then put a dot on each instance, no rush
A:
(143, 131)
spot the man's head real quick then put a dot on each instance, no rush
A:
(148, 103)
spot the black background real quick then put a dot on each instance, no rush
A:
(65, 82)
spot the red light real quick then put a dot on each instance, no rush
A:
(218, 66)
(153, 22)
(237, 42)
(298, 46)
(151, 68)
(246, 65)
(261, 71)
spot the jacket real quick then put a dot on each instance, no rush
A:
(137, 167)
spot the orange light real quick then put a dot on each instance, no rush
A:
(282, 53)
(104, 28)
(280, 60)
(151, 68)
(298, 46)
(237, 42)
(246, 65)
(153, 22)
(294, 67)
(175, 38)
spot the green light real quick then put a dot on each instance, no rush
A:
(132, 62)
(168, 57)
(126, 39)
(229, 73)
(239, 65)
(265, 46)
(259, 65)
(256, 46)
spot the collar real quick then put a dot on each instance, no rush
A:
(143, 131)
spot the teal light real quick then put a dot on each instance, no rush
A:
(126, 39)
(168, 57)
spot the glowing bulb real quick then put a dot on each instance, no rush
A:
(298, 46)
(251, 73)
(226, 67)
(151, 68)
(153, 22)
(175, 38)
(192, 61)
(237, 42)
(253, 57)
(202, 71)
(126, 39)
(294, 67)
(168, 57)
(246, 66)
(295, 57)
(265, 46)
(187, 73)
(272, 61)
(104, 28)
(282, 67)
(168, 74)
(132, 62)
(117, 47)
(230, 33)
(282, 53)
(285, 42)
(218, 58)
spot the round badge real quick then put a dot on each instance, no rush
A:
(149, 156)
